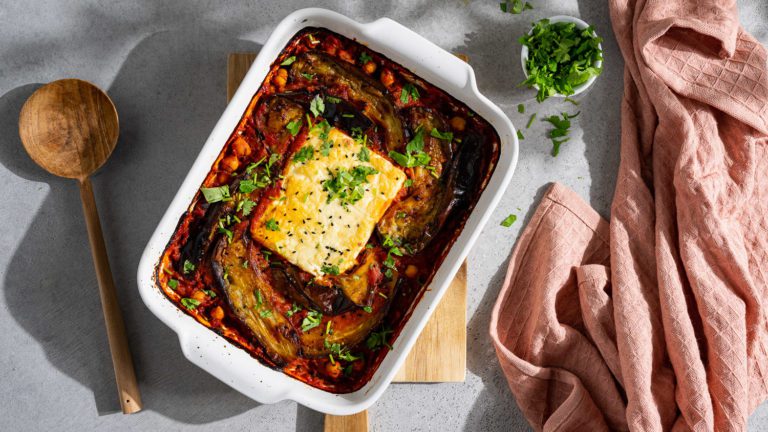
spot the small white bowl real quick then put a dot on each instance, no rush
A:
(579, 24)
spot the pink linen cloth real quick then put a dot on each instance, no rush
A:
(656, 320)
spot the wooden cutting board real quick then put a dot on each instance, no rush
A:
(440, 353)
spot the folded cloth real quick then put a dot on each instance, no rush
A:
(656, 320)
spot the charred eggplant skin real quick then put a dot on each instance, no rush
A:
(359, 87)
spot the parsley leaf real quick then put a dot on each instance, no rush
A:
(173, 284)
(188, 267)
(514, 7)
(414, 155)
(509, 220)
(304, 154)
(317, 106)
(409, 91)
(216, 194)
(266, 313)
(377, 339)
(530, 120)
(365, 58)
(330, 269)
(521, 108)
(448, 136)
(289, 61)
(311, 321)
(520, 135)
(190, 303)
(272, 225)
(364, 155)
(294, 127)
(561, 129)
(294, 308)
(247, 206)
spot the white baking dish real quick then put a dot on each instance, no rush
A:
(235, 366)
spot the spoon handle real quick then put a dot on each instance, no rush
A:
(127, 387)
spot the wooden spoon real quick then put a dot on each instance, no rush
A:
(70, 127)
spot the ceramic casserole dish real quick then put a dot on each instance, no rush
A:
(239, 368)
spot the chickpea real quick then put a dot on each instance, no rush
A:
(281, 78)
(222, 178)
(369, 68)
(333, 369)
(199, 296)
(411, 271)
(346, 56)
(217, 313)
(387, 77)
(229, 163)
(458, 124)
(241, 147)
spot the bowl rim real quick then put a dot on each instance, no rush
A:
(236, 367)
(581, 24)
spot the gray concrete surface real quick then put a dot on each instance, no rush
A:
(163, 63)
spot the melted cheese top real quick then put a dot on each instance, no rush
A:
(315, 234)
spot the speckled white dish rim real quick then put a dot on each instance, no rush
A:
(579, 24)
(232, 364)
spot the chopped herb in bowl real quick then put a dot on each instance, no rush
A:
(561, 56)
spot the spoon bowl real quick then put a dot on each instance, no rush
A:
(70, 127)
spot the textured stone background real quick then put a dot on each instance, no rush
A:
(164, 66)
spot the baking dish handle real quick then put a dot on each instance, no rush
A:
(439, 64)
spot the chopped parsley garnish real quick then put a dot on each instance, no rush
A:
(573, 101)
(509, 220)
(311, 321)
(341, 352)
(190, 303)
(347, 185)
(377, 339)
(266, 313)
(272, 159)
(520, 135)
(304, 154)
(223, 230)
(308, 76)
(325, 148)
(173, 284)
(188, 267)
(408, 182)
(294, 308)
(289, 61)
(216, 194)
(332, 99)
(409, 91)
(368, 309)
(317, 106)
(246, 205)
(294, 126)
(210, 293)
(364, 155)
(441, 135)
(560, 57)
(330, 269)
(530, 120)
(365, 58)
(414, 152)
(272, 225)
(252, 166)
(515, 7)
(259, 299)
(562, 127)
(521, 108)
(247, 186)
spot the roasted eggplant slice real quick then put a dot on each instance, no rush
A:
(300, 287)
(271, 118)
(415, 220)
(253, 300)
(359, 286)
(359, 88)
(349, 328)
